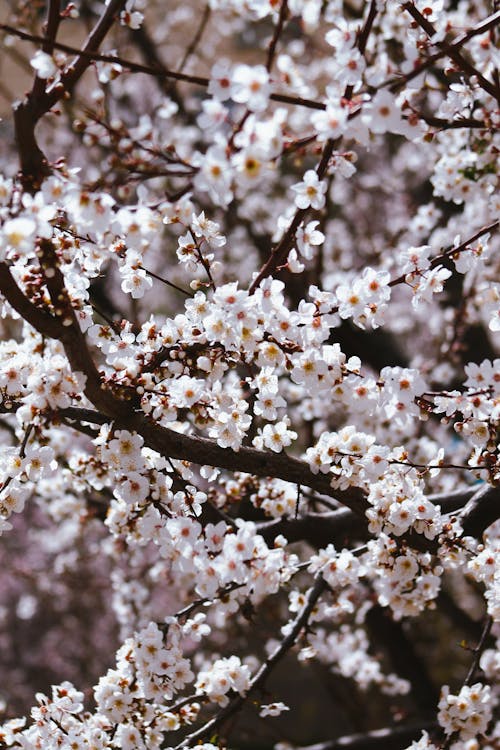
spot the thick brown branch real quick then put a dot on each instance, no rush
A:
(341, 526)
(481, 511)
(201, 450)
(42, 321)
(32, 160)
(319, 529)
(34, 165)
(72, 338)
(77, 68)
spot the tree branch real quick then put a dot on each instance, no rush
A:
(481, 511)
(191, 48)
(201, 450)
(73, 72)
(283, 14)
(72, 338)
(390, 738)
(50, 27)
(280, 252)
(157, 72)
(321, 529)
(489, 23)
(263, 673)
(479, 650)
(452, 52)
(41, 320)
(27, 113)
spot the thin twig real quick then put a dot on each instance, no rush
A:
(162, 73)
(479, 650)
(191, 49)
(258, 681)
(168, 283)
(452, 250)
(277, 33)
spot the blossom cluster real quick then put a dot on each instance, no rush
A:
(249, 316)
(467, 713)
(405, 580)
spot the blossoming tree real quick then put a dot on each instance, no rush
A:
(249, 279)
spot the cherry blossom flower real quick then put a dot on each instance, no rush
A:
(220, 80)
(331, 123)
(310, 192)
(131, 16)
(44, 65)
(273, 709)
(17, 235)
(276, 436)
(135, 281)
(309, 237)
(250, 86)
(381, 114)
